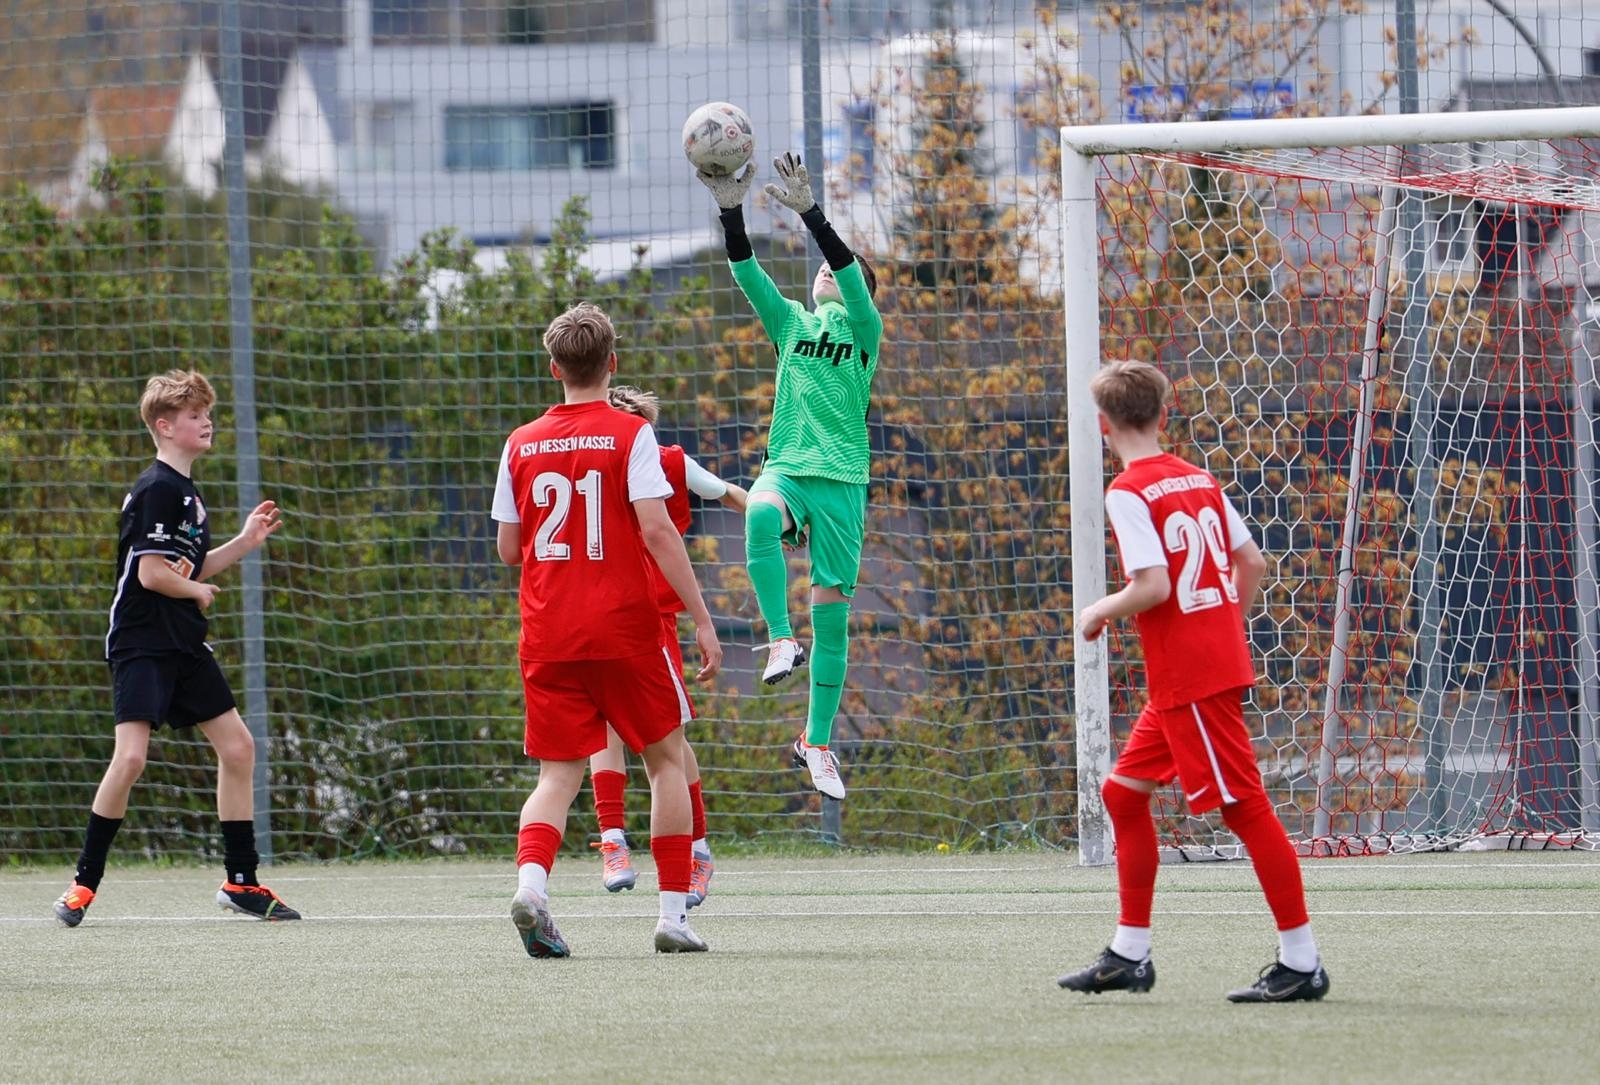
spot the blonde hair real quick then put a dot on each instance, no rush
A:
(625, 397)
(1131, 394)
(580, 341)
(176, 390)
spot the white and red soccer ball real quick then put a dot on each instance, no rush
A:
(718, 138)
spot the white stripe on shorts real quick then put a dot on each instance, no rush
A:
(684, 715)
(1211, 755)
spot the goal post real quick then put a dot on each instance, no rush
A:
(1381, 334)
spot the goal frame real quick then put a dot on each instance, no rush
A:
(1081, 148)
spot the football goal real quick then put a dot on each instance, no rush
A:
(1382, 336)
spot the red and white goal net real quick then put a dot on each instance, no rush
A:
(1382, 333)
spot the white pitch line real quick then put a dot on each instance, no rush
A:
(1313, 867)
(903, 913)
(564, 868)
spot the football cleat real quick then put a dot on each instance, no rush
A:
(1280, 983)
(785, 655)
(616, 870)
(73, 903)
(254, 900)
(678, 938)
(1112, 972)
(700, 880)
(823, 765)
(531, 916)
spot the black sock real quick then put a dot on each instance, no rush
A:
(96, 846)
(239, 852)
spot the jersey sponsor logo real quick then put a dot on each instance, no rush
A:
(587, 442)
(182, 566)
(159, 534)
(835, 352)
(1176, 485)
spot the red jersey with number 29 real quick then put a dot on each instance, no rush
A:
(1166, 512)
(570, 478)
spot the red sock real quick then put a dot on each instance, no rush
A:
(538, 842)
(1256, 825)
(697, 810)
(1138, 854)
(608, 798)
(672, 862)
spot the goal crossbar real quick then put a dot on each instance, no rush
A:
(1281, 133)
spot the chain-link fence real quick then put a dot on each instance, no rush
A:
(357, 217)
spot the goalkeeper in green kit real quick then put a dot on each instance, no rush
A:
(813, 484)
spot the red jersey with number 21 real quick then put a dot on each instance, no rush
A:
(1165, 511)
(570, 478)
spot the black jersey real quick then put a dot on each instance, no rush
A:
(163, 515)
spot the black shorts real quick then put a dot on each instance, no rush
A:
(178, 690)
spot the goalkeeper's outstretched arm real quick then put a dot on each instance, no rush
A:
(771, 306)
(797, 195)
(858, 304)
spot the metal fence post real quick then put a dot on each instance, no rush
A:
(242, 343)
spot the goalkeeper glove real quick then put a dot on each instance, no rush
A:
(729, 191)
(796, 193)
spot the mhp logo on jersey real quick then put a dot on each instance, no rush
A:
(821, 348)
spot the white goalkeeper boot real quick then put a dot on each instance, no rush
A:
(785, 655)
(823, 766)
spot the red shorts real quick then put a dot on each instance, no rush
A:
(571, 701)
(669, 637)
(1205, 745)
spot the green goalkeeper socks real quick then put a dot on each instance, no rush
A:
(830, 648)
(830, 622)
(769, 573)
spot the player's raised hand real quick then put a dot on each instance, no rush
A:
(261, 523)
(796, 194)
(705, 638)
(728, 190)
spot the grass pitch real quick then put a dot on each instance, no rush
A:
(853, 967)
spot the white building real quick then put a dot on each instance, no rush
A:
(178, 126)
(493, 140)
(299, 143)
(181, 127)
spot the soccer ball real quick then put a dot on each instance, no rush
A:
(718, 138)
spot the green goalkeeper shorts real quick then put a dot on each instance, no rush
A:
(831, 515)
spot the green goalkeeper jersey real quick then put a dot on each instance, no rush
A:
(826, 362)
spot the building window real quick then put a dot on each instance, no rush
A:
(389, 123)
(860, 144)
(410, 22)
(524, 23)
(1591, 62)
(580, 135)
